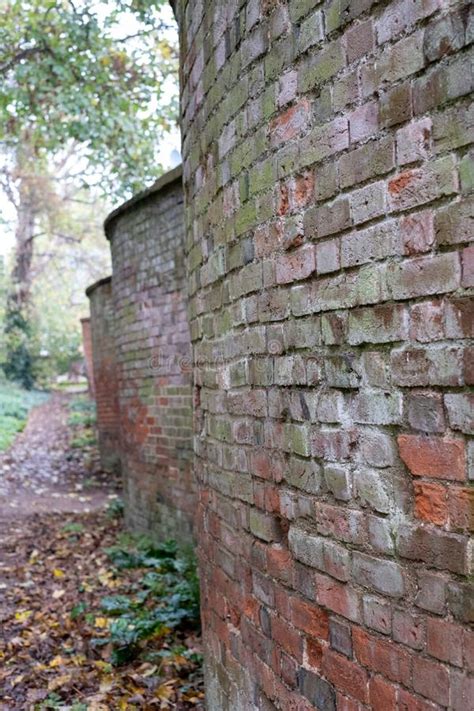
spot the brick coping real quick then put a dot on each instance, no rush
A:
(96, 284)
(163, 181)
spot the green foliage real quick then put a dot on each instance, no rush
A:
(115, 508)
(18, 365)
(71, 73)
(82, 405)
(82, 441)
(167, 596)
(15, 404)
(82, 422)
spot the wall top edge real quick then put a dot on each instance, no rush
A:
(160, 184)
(96, 284)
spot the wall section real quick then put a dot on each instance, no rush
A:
(153, 359)
(328, 191)
(88, 359)
(105, 375)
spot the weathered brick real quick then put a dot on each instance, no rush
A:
(454, 224)
(290, 123)
(431, 503)
(306, 547)
(295, 265)
(328, 219)
(359, 40)
(369, 161)
(372, 489)
(340, 637)
(422, 185)
(373, 243)
(338, 480)
(338, 597)
(413, 142)
(431, 680)
(417, 232)
(443, 641)
(408, 629)
(317, 690)
(377, 614)
(431, 593)
(383, 576)
(424, 276)
(380, 324)
(321, 66)
(442, 550)
(425, 411)
(415, 367)
(401, 14)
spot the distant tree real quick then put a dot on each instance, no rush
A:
(89, 83)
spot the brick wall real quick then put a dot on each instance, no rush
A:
(153, 359)
(105, 377)
(87, 348)
(327, 182)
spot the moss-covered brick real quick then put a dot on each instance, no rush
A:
(320, 66)
(327, 150)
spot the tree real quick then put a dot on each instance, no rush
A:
(87, 82)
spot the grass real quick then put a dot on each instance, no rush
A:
(15, 403)
(82, 420)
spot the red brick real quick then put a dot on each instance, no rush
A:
(431, 679)
(462, 691)
(290, 123)
(345, 675)
(431, 503)
(433, 456)
(279, 562)
(385, 657)
(444, 641)
(382, 695)
(468, 649)
(309, 618)
(314, 652)
(346, 525)
(267, 465)
(344, 703)
(417, 231)
(338, 597)
(302, 189)
(288, 638)
(461, 509)
(409, 702)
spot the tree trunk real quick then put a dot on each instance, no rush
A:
(20, 287)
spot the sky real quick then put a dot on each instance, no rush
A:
(169, 157)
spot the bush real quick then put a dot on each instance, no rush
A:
(167, 596)
(15, 403)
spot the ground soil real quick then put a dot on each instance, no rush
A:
(55, 527)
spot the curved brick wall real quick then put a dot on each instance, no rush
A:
(88, 358)
(153, 358)
(105, 376)
(327, 180)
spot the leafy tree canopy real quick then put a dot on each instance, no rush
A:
(100, 76)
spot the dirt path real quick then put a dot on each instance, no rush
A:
(41, 473)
